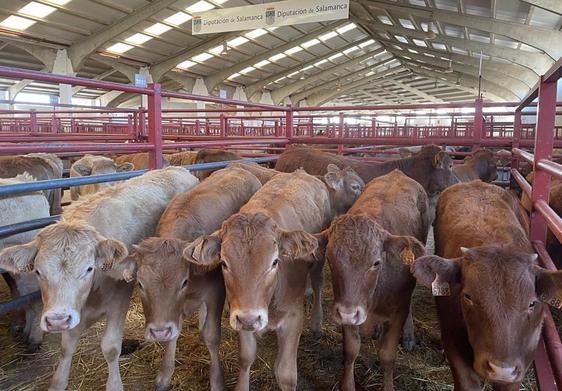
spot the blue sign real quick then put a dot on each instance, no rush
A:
(222, 94)
(53, 100)
(140, 80)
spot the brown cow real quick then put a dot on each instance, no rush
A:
(188, 286)
(90, 165)
(370, 267)
(265, 252)
(482, 165)
(181, 158)
(211, 156)
(490, 309)
(139, 160)
(431, 167)
(74, 261)
(262, 173)
(41, 167)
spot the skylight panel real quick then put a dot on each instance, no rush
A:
(256, 33)
(439, 46)
(366, 43)
(157, 29)
(350, 50)
(17, 23)
(293, 74)
(307, 68)
(263, 63)
(119, 48)
(219, 2)
(37, 10)
(337, 55)
(320, 62)
(401, 38)
(237, 41)
(294, 50)
(406, 23)
(328, 36)
(277, 57)
(60, 2)
(385, 20)
(178, 18)
(200, 6)
(138, 39)
(217, 50)
(234, 76)
(419, 42)
(247, 70)
(310, 43)
(346, 28)
(186, 64)
(278, 80)
(202, 57)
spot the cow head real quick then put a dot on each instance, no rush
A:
(358, 249)
(163, 279)
(65, 257)
(345, 186)
(99, 165)
(441, 173)
(250, 248)
(484, 161)
(499, 291)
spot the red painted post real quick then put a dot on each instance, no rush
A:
(33, 120)
(142, 123)
(516, 139)
(130, 126)
(155, 126)
(341, 130)
(289, 123)
(544, 140)
(222, 124)
(54, 127)
(478, 124)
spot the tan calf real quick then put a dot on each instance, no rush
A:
(265, 254)
(74, 261)
(171, 289)
(482, 165)
(489, 285)
(370, 267)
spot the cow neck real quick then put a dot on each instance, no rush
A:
(369, 170)
(332, 197)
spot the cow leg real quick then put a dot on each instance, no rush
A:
(211, 334)
(167, 366)
(17, 317)
(111, 345)
(507, 387)
(34, 333)
(69, 342)
(387, 351)
(247, 355)
(288, 335)
(317, 282)
(351, 346)
(408, 332)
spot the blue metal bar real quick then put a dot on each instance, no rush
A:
(78, 181)
(13, 229)
(18, 302)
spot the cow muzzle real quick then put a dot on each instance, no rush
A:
(248, 320)
(56, 322)
(502, 372)
(161, 333)
(349, 316)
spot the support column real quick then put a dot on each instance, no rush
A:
(155, 126)
(145, 71)
(5, 95)
(478, 124)
(200, 88)
(516, 138)
(63, 66)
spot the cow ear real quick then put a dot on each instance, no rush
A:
(82, 169)
(549, 286)
(125, 167)
(19, 259)
(407, 248)
(322, 239)
(428, 268)
(109, 252)
(204, 251)
(333, 177)
(439, 159)
(296, 245)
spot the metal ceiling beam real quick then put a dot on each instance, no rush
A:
(80, 50)
(45, 55)
(102, 76)
(253, 88)
(516, 88)
(536, 62)
(185, 81)
(416, 91)
(549, 5)
(279, 94)
(462, 82)
(127, 70)
(547, 40)
(159, 70)
(338, 82)
(215, 79)
(324, 96)
(517, 71)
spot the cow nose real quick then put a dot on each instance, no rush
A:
(58, 322)
(502, 372)
(249, 322)
(161, 334)
(351, 316)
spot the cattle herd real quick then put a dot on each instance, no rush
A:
(248, 241)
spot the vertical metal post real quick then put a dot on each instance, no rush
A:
(516, 138)
(142, 123)
(478, 124)
(544, 140)
(54, 127)
(289, 123)
(33, 120)
(341, 131)
(373, 126)
(155, 126)
(130, 126)
(222, 124)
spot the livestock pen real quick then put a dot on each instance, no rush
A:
(256, 127)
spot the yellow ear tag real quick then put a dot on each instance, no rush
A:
(554, 302)
(407, 256)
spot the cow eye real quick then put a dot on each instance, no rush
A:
(38, 274)
(184, 284)
(89, 270)
(533, 305)
(141, 287)
(468, 298)
(377, 263)
(275, 262)
(224, 265)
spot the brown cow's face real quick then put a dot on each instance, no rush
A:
(499, 292)
(357, 250)
(64, 257)
(346, 186)
(250, 248)
(487, 160)
(163, 279)
(441, 174)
